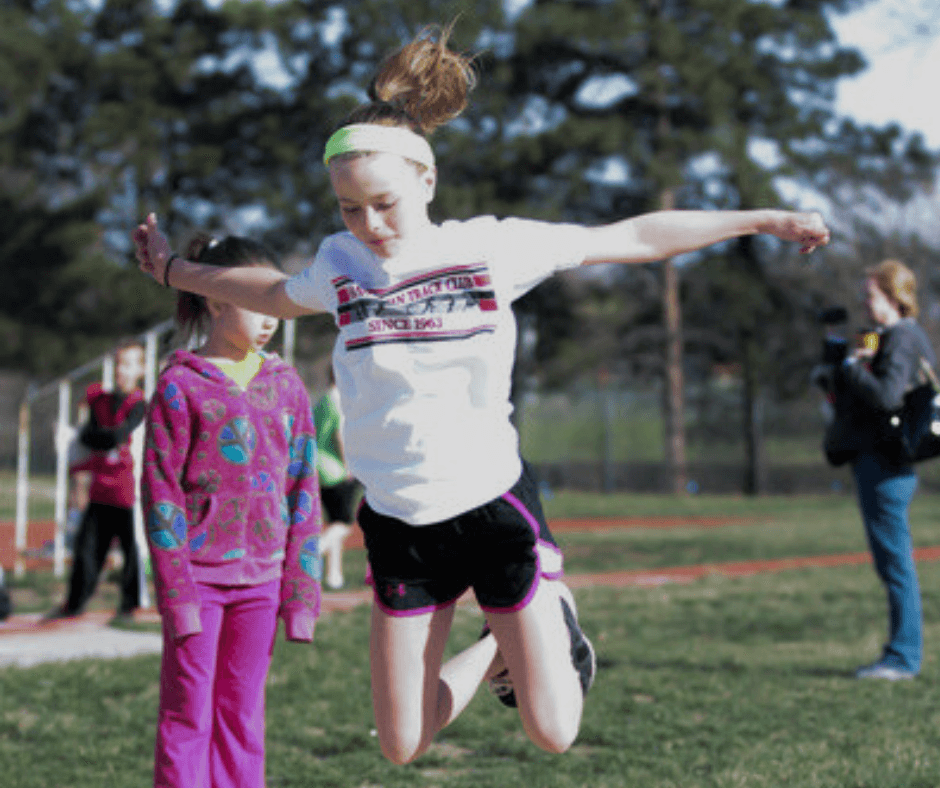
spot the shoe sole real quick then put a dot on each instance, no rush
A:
(583, 656)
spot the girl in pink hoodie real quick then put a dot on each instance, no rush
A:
(232, 512)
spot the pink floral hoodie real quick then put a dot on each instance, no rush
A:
(229, 490)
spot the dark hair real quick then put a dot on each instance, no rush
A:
(420, 86)
(192, 311)
(125, 343)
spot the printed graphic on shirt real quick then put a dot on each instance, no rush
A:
(303, 456)
(263, 481)
(300, 504)
(213, 410)
(166, 526)
(436, 306)
(310, 560)
(173, 396)
(262, 396)
(237, 441)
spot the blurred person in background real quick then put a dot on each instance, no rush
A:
(112, 418)
(340, 491)
(875, 379)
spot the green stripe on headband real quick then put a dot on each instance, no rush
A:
(371, 138)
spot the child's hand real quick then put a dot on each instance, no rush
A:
(298, 626)
(299, 634)
(151, 248)
(806, 228)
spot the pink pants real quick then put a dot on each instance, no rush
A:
(210, 731)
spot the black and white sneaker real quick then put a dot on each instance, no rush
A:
(501, 687)
(500, 684)
(582, 651)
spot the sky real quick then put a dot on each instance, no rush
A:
(895, 86)
(899, 84)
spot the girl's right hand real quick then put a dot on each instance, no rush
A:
(151, 248)
(806, 228)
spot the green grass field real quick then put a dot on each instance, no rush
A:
(720, 683)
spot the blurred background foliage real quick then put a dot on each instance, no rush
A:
(214, 115)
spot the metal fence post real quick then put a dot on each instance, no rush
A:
(22, 485)
(151, 338)
(290, 340)
(61, 476)
(107, 372)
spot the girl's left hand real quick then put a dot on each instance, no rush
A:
(806, 228)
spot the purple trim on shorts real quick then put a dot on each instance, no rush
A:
(536, 528)
(408, 613)
(520, 507)
(515, 608)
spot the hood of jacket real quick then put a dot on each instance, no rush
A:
(272, 366)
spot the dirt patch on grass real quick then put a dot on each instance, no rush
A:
(39, 534)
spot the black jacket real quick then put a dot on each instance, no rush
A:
(872, 391)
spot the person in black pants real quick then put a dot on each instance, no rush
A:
(113, 416)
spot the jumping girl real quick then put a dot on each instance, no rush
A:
(423, 364)
(233, 518)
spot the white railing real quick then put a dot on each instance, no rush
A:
(62, 388)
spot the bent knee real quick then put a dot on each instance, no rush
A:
(560, 741)
(557, 735)
(401, 750)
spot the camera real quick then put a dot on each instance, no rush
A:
(835, 348)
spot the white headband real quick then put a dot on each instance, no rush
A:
(372, 138)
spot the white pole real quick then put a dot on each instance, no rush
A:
(107, 373)
(137, 451)
(22, 488)
(150, 362)
(61, 477)
(290, 340)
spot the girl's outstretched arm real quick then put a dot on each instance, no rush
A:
(258, 288)
(662, 234)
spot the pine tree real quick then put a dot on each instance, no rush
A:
(618, 106)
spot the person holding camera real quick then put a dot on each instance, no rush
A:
(872, 382)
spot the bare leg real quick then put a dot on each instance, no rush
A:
(412, 694)
(535, 644)
(331, 544)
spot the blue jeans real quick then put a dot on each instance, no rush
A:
(884, 493)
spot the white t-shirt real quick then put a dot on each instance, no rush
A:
(424, 357)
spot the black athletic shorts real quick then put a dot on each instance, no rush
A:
(339, 501)
(500, 550)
